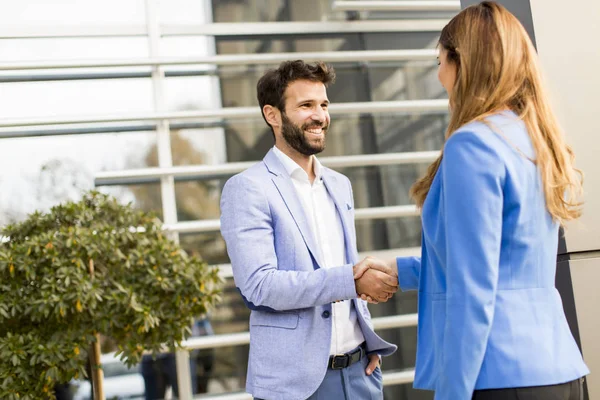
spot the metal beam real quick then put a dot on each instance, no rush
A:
(23, 31)
(230, 59)
(389, 379)
(241, 338)
(223, 29)
(203, 226)
(149, 175)
(214, 225)
(105, 129)
(385, 212)
(44, 77)
(373, 5)
(398, 377)
(250, 29)
(401, 106)
(226, 272)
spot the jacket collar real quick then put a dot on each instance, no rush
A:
(336, 189)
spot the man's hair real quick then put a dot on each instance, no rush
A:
(271, 86)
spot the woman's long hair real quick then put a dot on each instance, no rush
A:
(497, 68)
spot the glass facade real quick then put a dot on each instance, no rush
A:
(119, 146)
(362, 133)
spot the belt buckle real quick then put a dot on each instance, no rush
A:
(334, 364)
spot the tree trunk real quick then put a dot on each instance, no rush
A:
(97, 373)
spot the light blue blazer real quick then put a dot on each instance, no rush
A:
(277, 269)
(489, 313)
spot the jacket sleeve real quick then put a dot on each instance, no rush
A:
(473, 177)
(247, 227)
(409, 270)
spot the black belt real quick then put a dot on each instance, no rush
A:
(342, 361)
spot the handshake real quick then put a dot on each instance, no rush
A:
(376, 280)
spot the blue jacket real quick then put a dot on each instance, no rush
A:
(276, 267)
(489, 313)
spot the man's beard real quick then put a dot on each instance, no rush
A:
(295, 136)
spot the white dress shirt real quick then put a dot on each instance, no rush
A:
(328, 233)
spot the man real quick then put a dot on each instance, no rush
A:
(289, 227)
(160, 372)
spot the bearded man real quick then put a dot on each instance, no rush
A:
(289, 227)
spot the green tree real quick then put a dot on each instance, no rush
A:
(143, 291)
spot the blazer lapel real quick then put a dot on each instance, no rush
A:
(286, 189)
(335, 190)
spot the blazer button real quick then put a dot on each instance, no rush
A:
(326, 314)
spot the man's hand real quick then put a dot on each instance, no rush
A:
(373, 363)
(389, 267)
(375, 279)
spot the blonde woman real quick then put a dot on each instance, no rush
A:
(491, 323)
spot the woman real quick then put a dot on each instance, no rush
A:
(489, 314)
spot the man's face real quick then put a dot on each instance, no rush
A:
(305, 121)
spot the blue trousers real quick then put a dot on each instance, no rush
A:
(350, 383)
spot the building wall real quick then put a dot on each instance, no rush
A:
(567, 40)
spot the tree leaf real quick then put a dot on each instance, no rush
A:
(52, 306)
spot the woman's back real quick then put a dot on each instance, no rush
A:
(487, 298)
(529, 234)
(530, 343)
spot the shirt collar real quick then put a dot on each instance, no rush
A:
(296, 171)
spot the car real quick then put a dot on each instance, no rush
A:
(120, 382)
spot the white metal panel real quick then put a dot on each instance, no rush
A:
(22, 31)
(398, 378)
(213, 225)
(389, 379)
(389, 5)
(386, 212)
(224, 29)
(401, 106)
(228, 169)
(204, 226)
(237, 339)
(306, 28)
(231, 59)
(226, 272)
(567, 35)
(167, 183)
